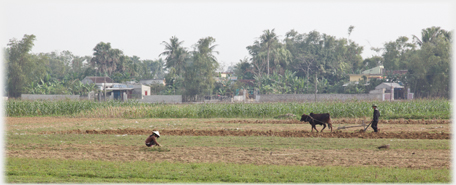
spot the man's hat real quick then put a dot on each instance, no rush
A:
(156, 133)
(373, 105)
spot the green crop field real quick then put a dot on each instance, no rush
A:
(21, 170)
(416, 109)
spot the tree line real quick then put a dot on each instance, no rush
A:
(297, 64)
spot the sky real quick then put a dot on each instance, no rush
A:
(139, 27)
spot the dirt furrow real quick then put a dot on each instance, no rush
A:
(234, 132)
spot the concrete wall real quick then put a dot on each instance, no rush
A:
(320, 97)
(48, 97)
(141, 89)
(162, 99)
(410, 96)
(238, 98)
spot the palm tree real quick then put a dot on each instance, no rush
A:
(113, 60)
(268, 37)
(175, 54)
(100, 56)
(429, 35)
(205, 47)
(258, 58)
(200, 71)
(105, 58)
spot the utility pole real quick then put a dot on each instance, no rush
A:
(104, 86)
(391, 91)
(316, 90)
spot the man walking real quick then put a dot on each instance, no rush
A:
(375, 119)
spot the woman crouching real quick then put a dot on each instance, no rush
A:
(152, 139)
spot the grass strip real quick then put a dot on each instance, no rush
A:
(268, 143)
(19, 170)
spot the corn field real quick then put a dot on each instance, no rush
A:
(416, 109)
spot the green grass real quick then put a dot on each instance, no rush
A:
(267, 143)
(20, 170)
(416, 109)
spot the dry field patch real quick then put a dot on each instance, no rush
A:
(415, 159)
(64, 123)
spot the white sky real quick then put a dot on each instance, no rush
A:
(139, 27)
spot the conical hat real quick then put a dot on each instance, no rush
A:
(156, 133)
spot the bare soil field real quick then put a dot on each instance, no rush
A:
(414, 159)
(296, 133)
(219, 124)
(400, 129)
(338, 121)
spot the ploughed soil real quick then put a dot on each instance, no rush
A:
(410, 158)
(234, 132)
(338, 121)
(39, 120)
(400, 129)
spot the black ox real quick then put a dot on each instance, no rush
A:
(320, 119)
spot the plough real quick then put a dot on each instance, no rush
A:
(362, 125)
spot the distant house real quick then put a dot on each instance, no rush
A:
(141, 90)
(120, 91)
(376, 72)
(226, 74)
(389, 86)
(98, 81)
(398, 91)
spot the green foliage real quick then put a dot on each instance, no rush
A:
(22, 67)
(268, 39)
(174, 83)
(417, 109)
(304, 55)
(288, 83)
(176, 55)
(105, 58)
(61, 64)
(292, 62)
(370, 63)
(428, 67)
(397, 53)
(242, 69)
(200, 70)
(319, 53)
(19, 170)
(50, 85)
(158, 89)
(363, 86)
